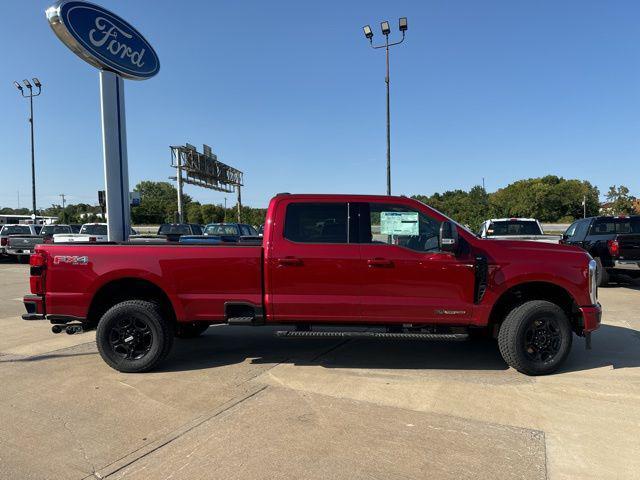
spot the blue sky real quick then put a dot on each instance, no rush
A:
(290, 93)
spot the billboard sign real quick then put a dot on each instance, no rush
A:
(103, 39)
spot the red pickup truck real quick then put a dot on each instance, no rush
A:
(391, 264)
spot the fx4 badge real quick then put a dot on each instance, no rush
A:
(449, 312)
(71, 259)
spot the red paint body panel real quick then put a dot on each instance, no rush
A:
(320, 283)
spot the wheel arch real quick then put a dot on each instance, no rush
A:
(535, 290)
(128, 288)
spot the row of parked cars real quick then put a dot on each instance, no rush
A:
(20, 240)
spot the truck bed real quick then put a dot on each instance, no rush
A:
(197, 279)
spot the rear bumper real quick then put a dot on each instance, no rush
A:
(591, 317)
(20, 251)
(34, 304)
(629, 265)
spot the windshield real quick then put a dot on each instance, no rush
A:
(221, 230)
(15, 230)
(94, 229)
(53, 229)
(176, 229)
(513, 227)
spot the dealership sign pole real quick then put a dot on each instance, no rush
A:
(112, 45)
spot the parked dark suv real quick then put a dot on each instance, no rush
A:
(614, 242)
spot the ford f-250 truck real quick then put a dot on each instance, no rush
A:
(389, 263)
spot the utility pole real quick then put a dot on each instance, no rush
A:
(30, 96)
(584, 206)
(386, 30)
(239, 204)
(62, 195)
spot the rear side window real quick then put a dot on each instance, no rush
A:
(513, 227)
(581, 230)
(15, 230)
(316, 223)
(610, 226)
(94, 230)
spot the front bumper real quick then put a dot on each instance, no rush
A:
(591, 317)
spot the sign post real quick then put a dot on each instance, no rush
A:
(114, 147)
(112, 45)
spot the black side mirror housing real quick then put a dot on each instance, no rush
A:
(449, 240)
(564, 238)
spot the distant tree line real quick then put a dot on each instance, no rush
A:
(549, 199)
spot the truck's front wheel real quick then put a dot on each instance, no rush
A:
(535, 338)
(133, 336)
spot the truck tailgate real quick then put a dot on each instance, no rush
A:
(197, 279)
(629, 245)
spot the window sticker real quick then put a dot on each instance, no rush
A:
(399, 223)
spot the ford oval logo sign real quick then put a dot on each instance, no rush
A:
(103, 39)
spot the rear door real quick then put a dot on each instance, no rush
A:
(406, 278)
(314, 265)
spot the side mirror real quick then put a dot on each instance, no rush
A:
(448, 237)
(564, 238)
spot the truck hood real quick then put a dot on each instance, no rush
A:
(523, 249)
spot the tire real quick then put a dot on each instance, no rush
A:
(191, 330)
(602, 276)
(535, 337)
(143, 320)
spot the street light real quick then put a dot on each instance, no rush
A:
(30, 96)
(386, 31)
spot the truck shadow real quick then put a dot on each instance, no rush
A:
(613, 346)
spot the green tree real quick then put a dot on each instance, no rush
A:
(158, 203)
(194, 212)
(621, 202)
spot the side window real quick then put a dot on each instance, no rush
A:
(197, 230)
(244, 231)
(581, 230)
(399, 225)
(316, 223)
(570, 232)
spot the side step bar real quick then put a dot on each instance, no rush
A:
(241, 321)
(452, 337)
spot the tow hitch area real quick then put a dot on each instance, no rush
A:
(69, 329)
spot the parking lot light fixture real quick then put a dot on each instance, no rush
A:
(368, 32)
(386, 30)
(30, 96)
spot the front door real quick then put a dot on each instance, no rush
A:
(406, 278)
(314, 268)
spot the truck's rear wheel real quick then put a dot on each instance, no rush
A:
(191, 330)
(133, 336)
(602, 276)
(535, 338)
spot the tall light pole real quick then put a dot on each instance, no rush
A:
(386, 30)
(30, 96)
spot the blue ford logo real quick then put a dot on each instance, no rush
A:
(103, 39)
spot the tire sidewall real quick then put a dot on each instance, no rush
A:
(145, 311)
(566, 337)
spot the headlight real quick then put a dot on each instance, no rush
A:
(593, 282)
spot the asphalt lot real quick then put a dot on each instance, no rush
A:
(239, 403)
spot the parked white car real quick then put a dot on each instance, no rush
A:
(89, 232)
(516, 229)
